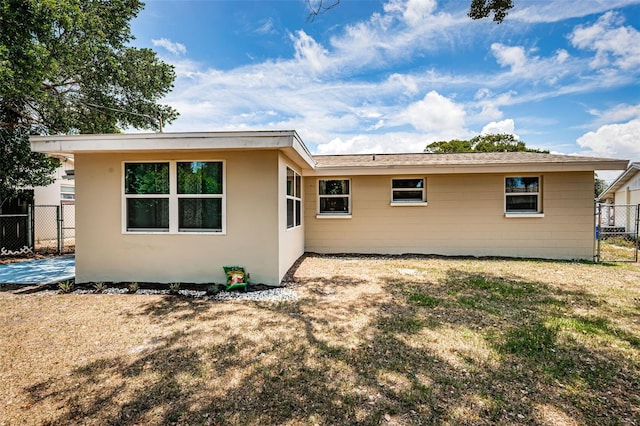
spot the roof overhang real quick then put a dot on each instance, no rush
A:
(569, 164)
(611, 190)
(287, 141)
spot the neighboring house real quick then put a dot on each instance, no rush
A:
(47, 199)
(173, 207)
(623, 197)
(625, 189)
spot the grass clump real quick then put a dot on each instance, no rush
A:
(174, 288)
(421, 299)
(65, 286)
(100, 287)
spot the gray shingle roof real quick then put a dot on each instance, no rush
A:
(458, 159)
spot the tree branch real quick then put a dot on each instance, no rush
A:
(320, 8)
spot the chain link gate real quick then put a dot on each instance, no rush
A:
(617, 228)
(54, 228)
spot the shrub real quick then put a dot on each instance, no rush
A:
(174, 288)
(133, 287)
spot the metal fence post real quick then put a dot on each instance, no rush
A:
(31, 227)
(59, 222)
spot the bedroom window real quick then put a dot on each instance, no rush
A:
(170, 196)
(294, 199)
(199, 196)
(334, 197)
(408, 191)
(522, 195)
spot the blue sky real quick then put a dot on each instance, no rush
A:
(393, 76)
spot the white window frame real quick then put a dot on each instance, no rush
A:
(422, 202)
(334, 215)
(173, 197)
(296, 198)
(524, 213)
(67, 193)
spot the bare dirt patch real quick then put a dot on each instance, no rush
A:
(370, 340)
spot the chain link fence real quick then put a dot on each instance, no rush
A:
(617, 232)
(16, 234)
(55, 229)
(43, 229)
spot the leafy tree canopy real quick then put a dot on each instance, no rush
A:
(600, 186)
(480, 9)
(66, 67)
(483, 143)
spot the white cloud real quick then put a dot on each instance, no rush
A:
(613, 43)
(377, 143)
(170, 46)
(500, 127)
(510, 56)
(614, 140)
(434, 113)
(414, 12)
(309, 52)
(266, 27)
(617, 114)
(407, 82)
(553, 11)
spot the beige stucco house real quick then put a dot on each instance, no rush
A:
(173, 207)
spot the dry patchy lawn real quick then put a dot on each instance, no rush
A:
(371, 340)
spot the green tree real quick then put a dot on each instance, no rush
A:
(600, 185)
(480, 9)
(484, 143)
(66, 67)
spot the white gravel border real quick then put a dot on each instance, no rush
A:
(279, 294)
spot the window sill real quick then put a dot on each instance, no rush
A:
(332, 216)
(408, 204)
(173, 233)
(523, 215)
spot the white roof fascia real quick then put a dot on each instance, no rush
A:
(620, 181)
(287, 140)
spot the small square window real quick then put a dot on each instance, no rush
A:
(522, 195)
(334, 196)
(408, 190)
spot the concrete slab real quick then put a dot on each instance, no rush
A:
(42, 271)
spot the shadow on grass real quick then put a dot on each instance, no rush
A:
(468, 349)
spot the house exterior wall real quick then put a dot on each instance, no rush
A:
(464, 215)
(630, 192)
(291, 241)
(50, 194)
(105, 253)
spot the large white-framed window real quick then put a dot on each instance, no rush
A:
(334, 197)
(174, 196)
(408, 191)
(523, 196)
(294, 199)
